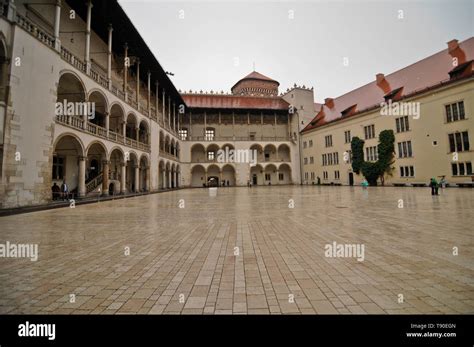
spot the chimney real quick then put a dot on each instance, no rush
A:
(380, 77)
(329, 102)
(453, 45)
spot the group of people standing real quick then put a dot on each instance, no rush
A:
(60, 192)
(434, 184)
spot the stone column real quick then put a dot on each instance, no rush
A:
(82, 177)
(109, 57)
(149, 94)
(105, 177)
(137, 178)
(164, 179)
(137, 131)
(107, 123)
(57, 21)
(174, 117)
(164, 108)
(124, 128)
(177, 179)
(169, 112)
(123, 174)
(88, 37)
(148, 181)
(169, 179)
(125, 70)
(138, 84)
(157, 97)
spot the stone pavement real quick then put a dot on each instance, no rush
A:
(246, 251)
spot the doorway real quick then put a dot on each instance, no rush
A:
(254, 179)
(351, 178)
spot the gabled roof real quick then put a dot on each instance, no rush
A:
(427, 73)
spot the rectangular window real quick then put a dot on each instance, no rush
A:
(454, 169)
(336, 175)
(369, 131)
(461, 109)
(210, 134)
(347, 136)
(211, 155)
(305, 160)
(305, 144)
(311, 160)
(449, 115)
(405, 149)
(459, 142)
(281, 176)
(310, 143)
(461, 169)
(268, 177)
(336, 158)
(328, 140)
(465, 140)
(402, 124)
(58, 167)
(183, 134)
(468, 168)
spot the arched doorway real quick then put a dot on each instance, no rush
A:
(228, 175)
(270, 175)
(132, 173)
(284, 174)
(100, 105)
(213, 176)
(256, 175)
(144, 174)
(198, 175)
(116, 119)
(68, 156)
(198, 153)
(284, 153)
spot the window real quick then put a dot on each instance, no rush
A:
(461, 169)
(58, 167)
(325, 175)
(252, 136)
(407, 171)
(336, 158)
(211, 155)
(305, 144)
(311, 160)
(369, 131)
(324, 159)
(268, 177)
(305, 161)
(210, 134)
(405, 149)
(328, 140)
(347, 136)
(310, 143)
(336, 175)
(371, 153)
(183, 134)
(281, 176)
(455, 112)
(459, 142)
(348, 156)
(330, 159)
(312, 176)
(402, 124)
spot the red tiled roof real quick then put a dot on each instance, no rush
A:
(421, 75)
(234, 102)
(254, 75)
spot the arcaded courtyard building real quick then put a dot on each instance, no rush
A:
(123, 127)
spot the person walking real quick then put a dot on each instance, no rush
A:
(64, 190)
(434, 186)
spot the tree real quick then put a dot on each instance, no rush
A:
(372, 171)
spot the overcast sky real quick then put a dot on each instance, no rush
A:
(216, 43)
